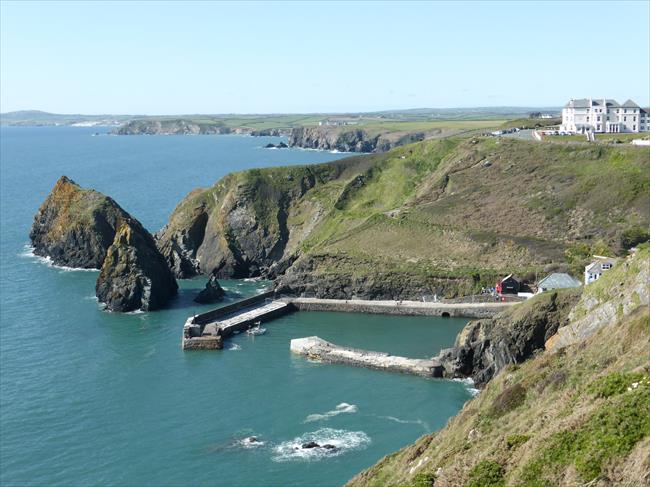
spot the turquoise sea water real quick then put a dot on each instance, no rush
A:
(94, 398)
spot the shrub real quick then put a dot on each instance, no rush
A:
(424, 479)
(511, 398)
(612, 431)
(515, 441)
(614, 383)
(634, 236)
(487, 473)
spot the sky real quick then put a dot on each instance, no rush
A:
(302, 57)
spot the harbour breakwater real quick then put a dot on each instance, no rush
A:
(207, 331)
(315, 348)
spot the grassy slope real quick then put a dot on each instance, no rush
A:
(451, 208)
(559, 419)
(434, 207)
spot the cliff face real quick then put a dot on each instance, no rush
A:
(173, 127)
(346, 139)
(485, 347)
(327, 138)
(134, 274)
(442, 217)
(83, 228)
(75, 226)
(248, 224)
(578, 416)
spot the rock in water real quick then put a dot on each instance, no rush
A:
(213, 292)
(134, 275)
(75, 226)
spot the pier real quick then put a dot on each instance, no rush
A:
(207, 331)
(315, 348)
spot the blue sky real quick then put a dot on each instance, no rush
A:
(202, 57)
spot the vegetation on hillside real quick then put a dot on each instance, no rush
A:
(578, 416)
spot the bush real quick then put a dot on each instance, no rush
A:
(515, 441)
(612, 384)
(634, 236)
(424, 479)
(487, 473)
(612, 431)
(511, 398)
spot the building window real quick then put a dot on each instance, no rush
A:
(598, 118)
(598, 127)
(625, 119)
(633, 127)
(634, 119)
(625, 110)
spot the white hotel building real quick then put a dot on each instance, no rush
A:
(603, 116)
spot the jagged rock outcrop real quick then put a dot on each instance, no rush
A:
(248, 224)
(75, 226)
(486, 346)
(345, 139)
(212, 293)
(134, 274)
(327, 138)
(617, 293)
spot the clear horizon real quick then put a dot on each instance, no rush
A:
(167, 58)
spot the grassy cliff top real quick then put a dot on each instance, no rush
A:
(452, 206)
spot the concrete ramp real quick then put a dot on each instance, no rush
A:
(316, 348)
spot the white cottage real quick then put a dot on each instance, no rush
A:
(599, 265)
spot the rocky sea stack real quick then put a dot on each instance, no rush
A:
(75, 226)
(83, 228)
(212, 293)
(134, 274)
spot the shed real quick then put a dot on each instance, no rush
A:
(508, 285)
(557, 280)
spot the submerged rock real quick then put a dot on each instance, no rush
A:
(213, 292)
(134, 274)
(76, 226)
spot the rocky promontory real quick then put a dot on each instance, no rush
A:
(174, 127)
(346, 139)
(75, 226)
(484, 347)
(134, 274)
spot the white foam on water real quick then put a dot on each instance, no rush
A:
(249, 442)
(28, 252)
(343, 441)
(407, 421)
(91, 298)
(136, 312)
(468, 382)
(342, 408)
(233, 346)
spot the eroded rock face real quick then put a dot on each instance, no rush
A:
(327, 138)
(486, 346)
(134, 274)
(75, 226)
(212, 293)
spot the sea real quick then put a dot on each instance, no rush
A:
(89, 397)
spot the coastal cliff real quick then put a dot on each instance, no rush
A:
(134, 275)
(443, 217)
(345, 139)
(83, 228)
(485, 347)
(576, 416)
(173, 127)
(75, 226)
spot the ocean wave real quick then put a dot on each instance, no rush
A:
(469, 385)
(233, 346)
(342, 441)
(28, 253)
(407, 421)
(342, 408)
